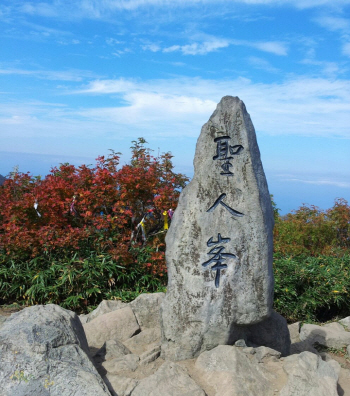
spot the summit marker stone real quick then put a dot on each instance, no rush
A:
(219, 245)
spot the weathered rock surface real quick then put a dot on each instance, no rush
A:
(120, 325)
(43, 351)
(104, 307)
(345, 322)
(333, 335)
(146, 309)
(143, 341)
(230, 371)
(308, 375)
(126, 363)
(169, 380)
(219, 245)
(294, 330)
(2, 320)
(120, 386)
(111, 349)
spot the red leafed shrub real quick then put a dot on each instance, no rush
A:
(84, 209)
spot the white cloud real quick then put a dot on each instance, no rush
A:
(214, 43)
(342, 184)
(346, 49)
(301, 106)
(179, 107)
(199, 48)
(276, 48)
(262, 64)
(65, 75)
(334, 23)
(96, 9)
(151, 47)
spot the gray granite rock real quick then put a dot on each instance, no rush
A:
(232, 373)
(219, 245)
(169, 380)
(332, 335)
(294, 330)
(120, 325)
(146, 309)
(111, 349)
(143, 341)
(262, 353)
(309, 375)
(126, 363)
(119, 385)
(2, 320)
(104, 307)
(345, 322)
(43, 351)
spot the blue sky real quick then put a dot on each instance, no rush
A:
(80, 77)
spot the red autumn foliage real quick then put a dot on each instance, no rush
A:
(83, 208)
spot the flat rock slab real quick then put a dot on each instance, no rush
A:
(333, 335)
(169, 380)
(219, 245)
(104, 307)
(120, 325)
(309, 375)
(230, 371)
(43, 351)
(146, 309)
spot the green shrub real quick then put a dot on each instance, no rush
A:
(312, 288)
(73, 282)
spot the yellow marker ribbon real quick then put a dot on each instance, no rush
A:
(165, 214)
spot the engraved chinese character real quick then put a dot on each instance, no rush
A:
(220, 201)
(218, 256)
(223, 152)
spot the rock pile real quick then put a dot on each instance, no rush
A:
(43, 351)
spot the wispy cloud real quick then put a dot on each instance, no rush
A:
(342, 184)
(274, 47)
(199, 48)
(300, 106)
(262, 64)
(99, 9)
(215, 43)
(63, 75)
(346, 49)
(334, 23)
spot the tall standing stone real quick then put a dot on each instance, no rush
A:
(219, 245)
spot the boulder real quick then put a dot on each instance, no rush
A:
(332, 335)
(111, 349)
(146, 309)
(169, 380)
(143, 341)
(309, 375)
(118, 385)
(120, 325)
(2, 320)
(219, 244)
(294, 330)
(263, 353)
(150, 356)
(104, 307)
(232, 373)
(126, 363)
(345, 322)
(43, 351)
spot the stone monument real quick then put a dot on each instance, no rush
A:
(219, 246)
